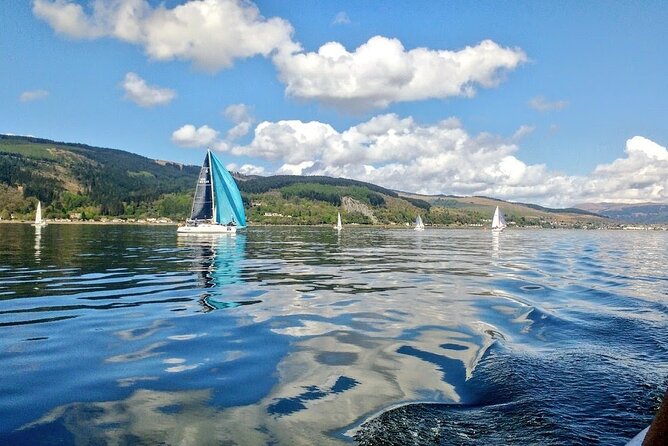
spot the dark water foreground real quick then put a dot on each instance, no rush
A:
(130, 335)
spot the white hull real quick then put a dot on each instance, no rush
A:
(207, 229)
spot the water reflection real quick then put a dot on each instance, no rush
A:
(38, 242)
(495, 244)
(218, 261)
(145, 417)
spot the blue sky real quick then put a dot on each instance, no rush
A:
(551, 102)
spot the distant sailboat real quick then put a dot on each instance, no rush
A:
(338, 226)
(419, 226)
(217, 205)
(38, 216)
(498, 222)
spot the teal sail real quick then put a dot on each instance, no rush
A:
(226, 195)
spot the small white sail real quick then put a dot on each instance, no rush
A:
(498, 222)
(338, 226)
(419, 225)
(38, 215)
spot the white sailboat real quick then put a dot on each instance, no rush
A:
(217, 205)
(38, 216)
(419, 225)
(498, 222)
(338, 226)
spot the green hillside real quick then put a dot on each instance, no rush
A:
(91, 181)
(84, 182)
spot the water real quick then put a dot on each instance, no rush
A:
(132, 335)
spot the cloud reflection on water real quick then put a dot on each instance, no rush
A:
(371, 319)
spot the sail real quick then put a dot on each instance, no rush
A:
(338, 226)
(419, 225)
(203, 201)
(229, 208)
(38, 213)
(498, 222)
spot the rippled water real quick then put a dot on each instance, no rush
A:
(131, 335)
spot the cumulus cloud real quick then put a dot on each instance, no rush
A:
(641, 176)
(400, 153)
(67, 18)
(211, 33)
(33, 95)
(144, 95)
(204, 136)
(541, 104)
(397, 153)
(246, 169)
(382, 71)
(214, 33)
(240, 115)
(190, 136)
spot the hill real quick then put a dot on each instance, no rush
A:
(82, 181)
(645, 213)
(520, 214)
(91, 181)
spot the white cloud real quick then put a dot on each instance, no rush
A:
(204, 136)
(214, 33)
(67, 18)
(523, 131)
(295, 169)
(541, 104)
(210, 33)
(341, 18)
(144, 95)
(397, 153)
(240, 115)
(33, 95)
(381, 71)
(641, 176)
(190, 136)
(443, 157)
(246, 169)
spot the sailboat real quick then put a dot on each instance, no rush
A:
(217, 205)
(419, 226)
(38, 216)
(498, 222)
(338, 226)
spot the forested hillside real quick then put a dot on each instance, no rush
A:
(92, 181)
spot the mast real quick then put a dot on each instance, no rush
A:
(214, 219)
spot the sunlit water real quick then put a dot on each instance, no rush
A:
(131, 335)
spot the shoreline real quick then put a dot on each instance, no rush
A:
(620, 227)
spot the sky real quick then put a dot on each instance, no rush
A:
(554, 103)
